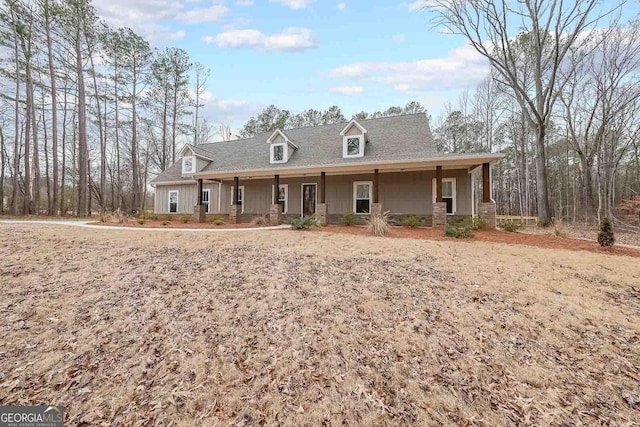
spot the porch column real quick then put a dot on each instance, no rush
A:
(439, 211)
(321, 209)
(275, 211)
(235, 214)
(376, 206)
(199, 210)
(487, 211)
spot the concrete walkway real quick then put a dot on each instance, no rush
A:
(87, 224)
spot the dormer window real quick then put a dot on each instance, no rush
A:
(278, 153)
(280, 147)
(188, 164)
(353, 140)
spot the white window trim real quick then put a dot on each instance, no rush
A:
(286, 195)
(302, 197)
(355, 193)
(345, 152)
(208, 190)
(285, 152)
(453, 192)
(243, 195)
(193, 164)
(177, 201)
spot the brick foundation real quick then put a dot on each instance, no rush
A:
(439, 215)
(235, 214)
(274, 214)
(199, 212)
(487, 214)
(321, 214)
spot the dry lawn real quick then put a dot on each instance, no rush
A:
(300, 328)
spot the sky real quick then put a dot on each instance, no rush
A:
(299, 54)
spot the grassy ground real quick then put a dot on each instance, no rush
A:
(300, 328)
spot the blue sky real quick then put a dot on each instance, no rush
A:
(299, 54)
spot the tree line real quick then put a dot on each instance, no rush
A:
(97, 105)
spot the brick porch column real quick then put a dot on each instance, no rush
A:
(487, 210)
(321, 209)
(274, 210)
(439, 210)
(199, 210)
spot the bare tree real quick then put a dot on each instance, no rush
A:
(548, 30)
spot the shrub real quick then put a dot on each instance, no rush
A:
(349, 219)
(378, 225)
(302, 223)
(412, 221)
(260, 220)
(605, 236)
(510, 225)
(165, 222)
(478, 223)
(217, 220)
(185, 220)
(141, 221)
(462, 230)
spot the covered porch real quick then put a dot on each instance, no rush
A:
(436, 190)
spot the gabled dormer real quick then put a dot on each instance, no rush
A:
(281, 147)
(194, 159)
(354, 139)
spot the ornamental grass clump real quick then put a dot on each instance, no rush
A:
(349, 219)
(378, 225)
(302, 223)
(605, 236)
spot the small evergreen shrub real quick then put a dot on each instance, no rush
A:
(217, 220)
(510, 225)
(349, 219)
(142, 221)
(462, 230)
(478, 223)
(165, 222)
(185, 220)
(412, 221)
(605, 236)
(379, 225)
(302, 223)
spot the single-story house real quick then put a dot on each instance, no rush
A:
(363, 167)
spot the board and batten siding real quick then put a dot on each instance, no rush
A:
(187, 197)
(400, 192)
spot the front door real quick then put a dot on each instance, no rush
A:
(308, 200)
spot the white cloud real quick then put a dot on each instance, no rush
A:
(398, 38)
(244, 3)
(347, 90)
(463, 67)
(155, 19)
(290, 40)
(417, 5)
(212, 13)
(294, 4)
(342, 6)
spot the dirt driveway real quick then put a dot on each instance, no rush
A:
(301, 328)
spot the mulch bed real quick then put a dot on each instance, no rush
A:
(159, 224)
(495, 236)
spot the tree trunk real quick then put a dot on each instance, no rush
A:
(542, 184)
(103, 142)
(83, 158)
(134, 144)
(54, 109)
(16, 141)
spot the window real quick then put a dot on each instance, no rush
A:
(362, 197)
(173, 201)
(353, 146)
(283, 197)
(278, 153)
(448, 194)
(240, 196)
(206, 199)
(188, 164)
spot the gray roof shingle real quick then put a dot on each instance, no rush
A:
(406, 137)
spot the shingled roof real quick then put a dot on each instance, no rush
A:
(406, 137)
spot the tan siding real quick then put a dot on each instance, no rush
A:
(353, 130)
(187, 197)
(400, 192)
